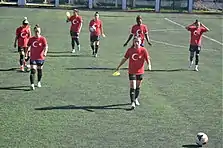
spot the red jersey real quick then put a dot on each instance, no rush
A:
(139, 31)
(196, 34)
(75, 23)
(23, 34)
(38, 45)
(137, 58)
(98, 25)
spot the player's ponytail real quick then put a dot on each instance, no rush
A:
(37, 28)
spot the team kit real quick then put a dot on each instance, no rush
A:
(33, 49)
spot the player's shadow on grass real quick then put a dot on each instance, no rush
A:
(169, 70)
(67, 55)
(94, 68)
(58, 52)
(21, 88)
(191, 146)
(86, 108)
(104, 68)
(8, 69)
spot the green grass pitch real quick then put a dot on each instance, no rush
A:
(85, 107)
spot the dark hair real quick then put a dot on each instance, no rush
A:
(96, 13)
(138, 17)
(36, 26)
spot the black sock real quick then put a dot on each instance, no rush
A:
(77, 41)
(196, 59)
(21, 60)
(39, 74)
(96, 48)
(92, 47)
(132, 94)
(72, 43)
(191, 56)
(32, 76)
(137, 92)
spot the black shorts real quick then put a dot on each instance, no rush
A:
(74, 34)
(195, 48)
(94, 38)
(37, 62)
(135, 77)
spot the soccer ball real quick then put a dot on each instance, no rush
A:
(92, 28)
(201, 139)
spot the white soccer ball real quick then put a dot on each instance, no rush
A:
(92, 28)
(201, 139)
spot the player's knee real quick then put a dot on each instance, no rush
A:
(39, 71)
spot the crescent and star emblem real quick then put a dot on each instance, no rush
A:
(35, 44)
(23, 34)
(135, 57)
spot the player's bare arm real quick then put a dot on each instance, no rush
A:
(130, 37)
(102, 31)
(149, 64)
(148, 39)
(45, 50)
(121, 63)
(16, 38)
(205, 27)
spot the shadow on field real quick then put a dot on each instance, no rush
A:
(191, 146)
(86, 108)
(105, 68)
(94, 68)
(169, 70)
(23, 88)
(59, 52)
(69, 55)
(8, 69)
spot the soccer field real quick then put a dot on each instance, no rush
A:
(82, 105)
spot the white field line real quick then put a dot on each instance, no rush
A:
(203, 35)
(164, 30)
(169, 44)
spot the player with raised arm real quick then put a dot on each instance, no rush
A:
(23, 34)
(137, 56)
(96, 31)
(38, 48)
(196, 31)
(139, 30)
(75, 29)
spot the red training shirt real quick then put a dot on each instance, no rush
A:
(137, 58)
(23, 34)
(196, 34)
(139, 31)
(98, 25)
(38, 45)
(75, 23)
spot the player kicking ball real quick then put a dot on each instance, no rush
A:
(23, 34)
(96, 30)
(139, 30)
(137, 56)
(75, 28)
(196, 31)
(38, 50)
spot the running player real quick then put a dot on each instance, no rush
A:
(96, 30)
(23, 34)
(38, 50)
(196, 31)
(139, 30)
(75, 29)
(137, 56)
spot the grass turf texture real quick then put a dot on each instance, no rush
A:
(80, 106)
